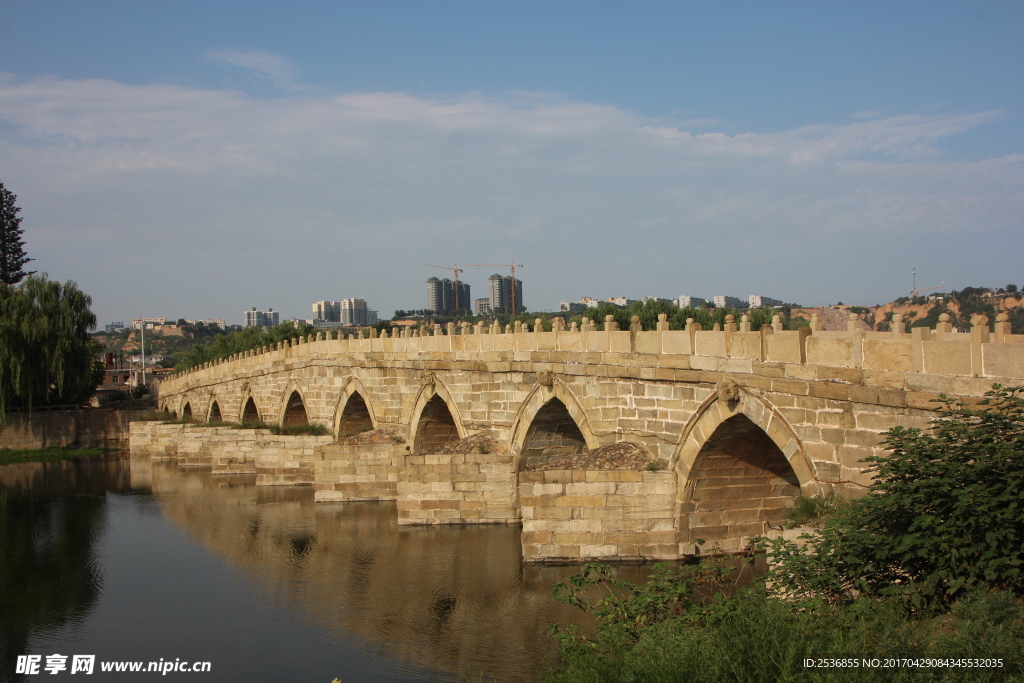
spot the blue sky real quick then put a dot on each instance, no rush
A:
(196, 159)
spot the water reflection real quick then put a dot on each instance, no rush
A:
(370, 600)
(66, 477)
(49, 575)
(456, 599)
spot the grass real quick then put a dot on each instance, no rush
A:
(808, 511)
(314, 429)
(291, 430)
(54, 454)
(756, 638)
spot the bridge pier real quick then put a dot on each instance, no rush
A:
(574, 515)
(460, 482)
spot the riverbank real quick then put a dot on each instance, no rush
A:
(53, 454)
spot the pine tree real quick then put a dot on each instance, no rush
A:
(12, 247)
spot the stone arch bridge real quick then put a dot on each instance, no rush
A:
(735, 423)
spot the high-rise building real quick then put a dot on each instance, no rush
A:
(355, 312)
(267, 318)
(501, 294)
(482, 307)
(328, 311)
(441, 295)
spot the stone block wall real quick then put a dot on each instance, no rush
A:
(284, 460)
(155, 439)
(357, 472)
(598, 514)
(442, 488)
(82, 428)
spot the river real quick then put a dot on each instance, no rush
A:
(131, 560)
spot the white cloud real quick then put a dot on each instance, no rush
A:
(325, 196)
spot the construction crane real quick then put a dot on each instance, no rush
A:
(916, 291)
(457, 270)
(513, 265)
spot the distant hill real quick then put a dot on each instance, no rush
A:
(925, 311)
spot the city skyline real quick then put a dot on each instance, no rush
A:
(813, 151)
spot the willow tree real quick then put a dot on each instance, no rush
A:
(46, 354)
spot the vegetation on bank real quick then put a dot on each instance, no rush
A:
(53, 454)
(240, 341)
(927, 567)
(46, 354)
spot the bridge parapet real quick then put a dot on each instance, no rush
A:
(981, 353)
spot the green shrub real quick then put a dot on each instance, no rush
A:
(946, 514)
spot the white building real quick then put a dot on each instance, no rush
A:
(690, 301)
(757, 301)
(723, 301)
(267, 318)
(137, 323)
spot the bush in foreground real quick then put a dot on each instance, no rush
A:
(753, 637)
(946, 515)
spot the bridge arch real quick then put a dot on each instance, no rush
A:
(739, 466)
(543, 401)
(354, 411)
(715, 410)
(250, 411)
(214, 413)
(186, 410)
(293, 411)
(427, 408)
